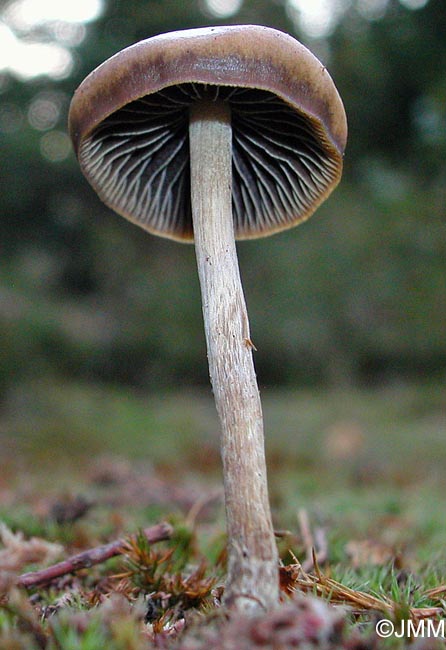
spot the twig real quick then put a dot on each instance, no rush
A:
(435, 592)
(90, 557)
(199, 505)
(305, 530)
(314, 544)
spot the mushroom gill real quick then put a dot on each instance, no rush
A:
(138, 161)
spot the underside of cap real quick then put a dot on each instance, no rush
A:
(129, 125)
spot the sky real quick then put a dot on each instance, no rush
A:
(63, 26)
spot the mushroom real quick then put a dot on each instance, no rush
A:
(209, 135)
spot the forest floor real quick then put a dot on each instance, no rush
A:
(357, 485)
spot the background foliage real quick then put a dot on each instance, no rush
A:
(357, 294)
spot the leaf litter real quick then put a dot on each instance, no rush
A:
(168, 594)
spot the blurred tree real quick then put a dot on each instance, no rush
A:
(357, 293)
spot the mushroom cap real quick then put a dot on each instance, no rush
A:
(129, 125)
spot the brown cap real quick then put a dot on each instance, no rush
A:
(129, 125)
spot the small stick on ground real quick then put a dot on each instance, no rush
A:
(90, 557)
(436, 592)
(314, 544)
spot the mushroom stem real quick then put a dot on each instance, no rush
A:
(252, 581)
